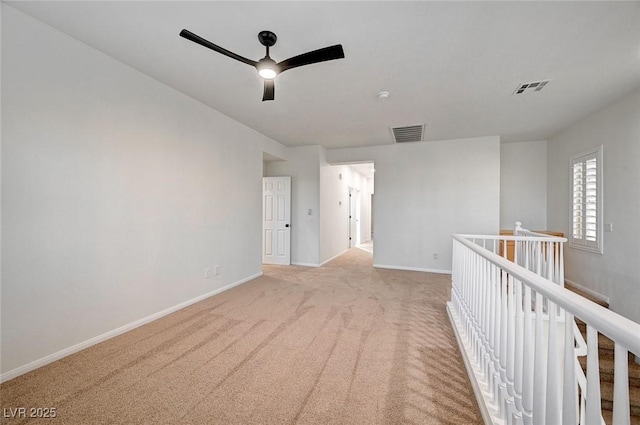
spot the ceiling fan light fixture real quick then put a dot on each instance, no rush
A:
(267, 68)
(267, 73)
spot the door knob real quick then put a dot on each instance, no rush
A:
(286, 225)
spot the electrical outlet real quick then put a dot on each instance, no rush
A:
(207, 273)
(608, 227)
(435, 256)
(216, 270)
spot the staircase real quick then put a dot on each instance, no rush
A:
(606, 351)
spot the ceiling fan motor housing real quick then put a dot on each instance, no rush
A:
(267, 38)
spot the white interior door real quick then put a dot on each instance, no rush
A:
(276, 216)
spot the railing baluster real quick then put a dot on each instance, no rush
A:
(519, 347)
(538, 268)
(594, 410)
(549, 251)
(569, 383)
(540, 366)
(553, 368)
(503, 343)
(486, 319)
(480, 314)
(527, 383)
(474, 306)
(556, 264)
(511, 335)
(492, 333)
(561, 265)
(497, 337)
(505, 248)
(621, 409)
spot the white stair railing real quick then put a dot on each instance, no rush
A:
(516, 331)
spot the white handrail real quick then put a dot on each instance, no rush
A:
(518, 330)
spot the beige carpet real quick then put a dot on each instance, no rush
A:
(341, 344)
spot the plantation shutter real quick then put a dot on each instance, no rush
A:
(586, 200)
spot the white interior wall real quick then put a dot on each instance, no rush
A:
(523, 185)
(117, 193)
(425, 192)
(613, 273)
(303, 165)
(334, 210)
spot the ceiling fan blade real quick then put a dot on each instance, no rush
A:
(320, 55)
(206, 43)
(269, 90)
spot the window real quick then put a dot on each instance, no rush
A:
(586, 200)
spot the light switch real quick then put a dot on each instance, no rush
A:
(608, 227)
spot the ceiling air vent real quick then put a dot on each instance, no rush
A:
(410, 133)
(529, 87)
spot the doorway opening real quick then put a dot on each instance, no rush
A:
(360, 208)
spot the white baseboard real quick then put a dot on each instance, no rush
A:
(412, 269)
(305, 264)
(321, 264)
(333, 258)
(591, 292)
(21, 370)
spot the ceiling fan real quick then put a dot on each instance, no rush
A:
(267, 67)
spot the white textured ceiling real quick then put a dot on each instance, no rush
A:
(450, 65)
